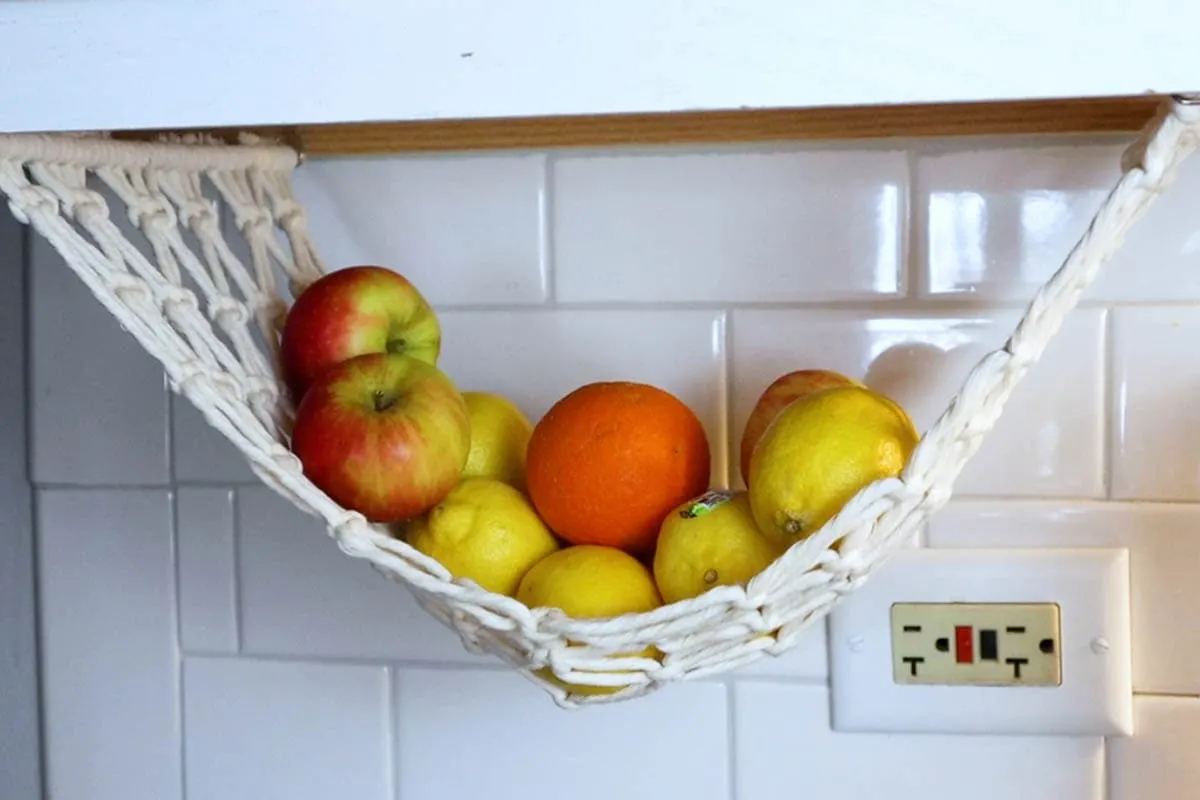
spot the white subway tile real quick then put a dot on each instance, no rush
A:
(108, 647)
(1047, 442)
(205, 555)
(808, 660)
(1156, 443)
(301, 596)
(537, 357)
(1163, 551)
(463, 229)
(784, 747)
(1159, 760)
(667, 745)
(99, 401)
(294, 730)
(1000, 221)
(201, 453)
(722, 225)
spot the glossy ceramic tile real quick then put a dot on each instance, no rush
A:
(204, 550)
(201, 453)
(535, 358)
(807, 661)
(107, 633)
(1156, 387)
(770, 225)
(1047, 442)
(998, 223)
(463, 229)
(99, 402)
(301, 596)
(276, 730)
(1163, 553)
(1159, 761)
(520, 745)
(783, 745)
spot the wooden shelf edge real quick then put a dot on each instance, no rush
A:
(1088, 115)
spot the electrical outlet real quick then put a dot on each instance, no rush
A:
(1028, 641)
(976, 644)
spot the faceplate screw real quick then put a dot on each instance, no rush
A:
(855, 643)
(1099, 645)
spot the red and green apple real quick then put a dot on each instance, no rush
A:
(383, 434)
(350, 312)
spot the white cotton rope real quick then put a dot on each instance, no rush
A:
(201, 293)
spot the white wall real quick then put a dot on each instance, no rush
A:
(203, 639)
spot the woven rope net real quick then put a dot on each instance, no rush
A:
(208, 301)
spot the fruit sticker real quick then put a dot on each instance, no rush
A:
(704, 504)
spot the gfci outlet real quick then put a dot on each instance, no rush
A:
(1022, 641)
(976, 644)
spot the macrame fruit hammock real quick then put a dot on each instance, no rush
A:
(210, 308)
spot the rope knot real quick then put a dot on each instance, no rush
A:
(251, 220)
(262, 389)
(88, 207)
(230, 313)
(347, 530)
(198, 215)
(34, 200)
(190, 372)
(129, 288)
(151, 213)
(178, 301)
(290, 214)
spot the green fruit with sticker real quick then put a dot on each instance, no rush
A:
(709, 541)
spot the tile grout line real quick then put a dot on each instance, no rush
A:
(878, 305)
(731, 737)
(1169, 695)
(183, 791)
(725, 417)
(35, 505)
(393, 720)
(546, 236)
(1071, 499)
(177, 608)
(1107, 405)
(1105, 769)
(916, 288)
(351, 661)
(236, 541)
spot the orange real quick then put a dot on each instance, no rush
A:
(609, 461)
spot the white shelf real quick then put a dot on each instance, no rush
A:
(99, 64)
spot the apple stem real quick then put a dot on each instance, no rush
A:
(383, 402)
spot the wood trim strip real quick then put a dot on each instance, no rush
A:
(1098, 115)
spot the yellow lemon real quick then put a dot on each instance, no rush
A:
(590, 581)
(484, 530)
(499, 438)
(819, 452)
(710, 541)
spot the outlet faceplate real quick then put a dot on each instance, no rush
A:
(976, 644)
(1084, 688)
